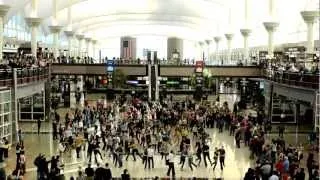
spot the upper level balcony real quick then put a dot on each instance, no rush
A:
(24, 76)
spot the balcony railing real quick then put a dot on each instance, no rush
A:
(24, 76)
(307, 80)
(6, 76)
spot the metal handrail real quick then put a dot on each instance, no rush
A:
(24, 75)
(308, 80)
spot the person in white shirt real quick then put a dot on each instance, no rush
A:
(274, 176)
(170, 163)
(61, 148)
(150, 154)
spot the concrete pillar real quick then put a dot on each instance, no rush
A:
(229, 38)
(201, 50)
(174, 44)
(73, 89)
(54, 12)
(94, 43)
(69, 15)
(157, 82)
(14, 106)
(149, 81)
(3, 11)
(80, 38)
(79, 85)
(309, 18)
(245, 33)
(208, 42)
(34, 23)
(271, 28)
(271, 9)
(70, 35)
(34, 8)
(217, 41)
(88, 40)
(55, 30)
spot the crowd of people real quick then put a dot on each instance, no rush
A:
(135, 129)
(141, 130)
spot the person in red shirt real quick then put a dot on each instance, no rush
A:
(280, 166)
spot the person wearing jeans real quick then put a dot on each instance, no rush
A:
(206, 154)
(150, 153)
(170, 163)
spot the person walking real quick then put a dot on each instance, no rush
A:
(150, 153)
(89, 171)
(198, 153)
(183, 156)
(190, 160)
(222, 154)
(107, 173)
(206, 154)
(125, 175)
(170, 163)
(78, 143)
(238, 138)
(215, 158)
(39, 125)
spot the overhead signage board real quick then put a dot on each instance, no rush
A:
(199, 66)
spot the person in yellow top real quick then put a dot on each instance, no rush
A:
(134, 150)
(79, 140)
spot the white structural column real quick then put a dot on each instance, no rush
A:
(70, 35)
(55, 30)
(229, 38)
(201, 50)
(88, 41)
(34, 23)
(3, 11)
(245, 33)
(208, 43)
(271, 27)
(80, 38)
(69, 15)
(94, 43)
(309, 18)
(217, 41)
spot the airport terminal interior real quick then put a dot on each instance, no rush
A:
(159, 89)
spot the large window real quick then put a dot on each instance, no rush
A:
(5, 115)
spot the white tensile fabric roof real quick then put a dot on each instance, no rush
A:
(189, 19)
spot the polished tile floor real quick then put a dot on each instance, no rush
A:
(237, 160)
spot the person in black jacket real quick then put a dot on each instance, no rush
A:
(125, 175)
(107, 172)
(99, 173)
(89, 171)
(300, 175)
(206, 154)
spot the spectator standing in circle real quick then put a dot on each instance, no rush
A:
(170, 160)
(125, 175)
(222, 155)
